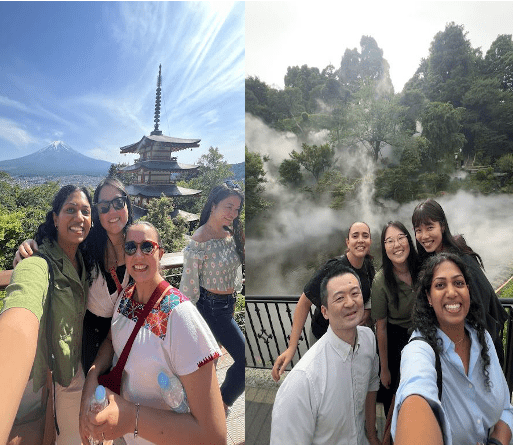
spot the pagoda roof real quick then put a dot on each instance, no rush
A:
(175, 144)
(156, 190)
(159, 165)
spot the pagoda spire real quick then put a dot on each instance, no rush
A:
(156, 130)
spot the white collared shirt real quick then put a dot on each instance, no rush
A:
(322, 400)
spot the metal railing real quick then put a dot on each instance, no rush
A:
(269, 323)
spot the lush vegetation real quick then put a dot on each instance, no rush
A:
(456, 111)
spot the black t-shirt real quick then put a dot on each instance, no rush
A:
(312, 289)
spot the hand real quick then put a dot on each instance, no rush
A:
(112, 422)
(385, 377)
(26, 249)
(87, 394)
(281, 363)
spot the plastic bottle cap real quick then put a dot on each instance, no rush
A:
(100, 393)
(163, 380)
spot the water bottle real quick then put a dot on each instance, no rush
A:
(173, 393)
(98, 403)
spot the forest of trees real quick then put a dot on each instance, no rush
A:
(455, 111)
(23, 209)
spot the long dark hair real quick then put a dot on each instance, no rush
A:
(47, 229)
(429, 211)
(97, 239)
(424, 318)
(217, 194)
(388, 267)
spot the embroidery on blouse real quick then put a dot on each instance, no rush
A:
(208, 359)
(156, 321)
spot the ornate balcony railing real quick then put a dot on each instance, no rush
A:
(269, 323)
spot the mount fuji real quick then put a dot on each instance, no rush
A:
(57, 158)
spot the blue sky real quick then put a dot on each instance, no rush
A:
(86, 73)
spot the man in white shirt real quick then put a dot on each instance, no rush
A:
(329, 397)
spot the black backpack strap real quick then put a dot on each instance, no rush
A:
(438, 366)
(51, 356)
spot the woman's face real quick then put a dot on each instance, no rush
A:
(226, 210)
(114, 221)
(142, 266)
(430, 236)
(74, 220)
(359, 240)
(449, 295)
(396, 246)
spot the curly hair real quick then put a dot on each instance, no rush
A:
(430, 211)
(424, 318)
(217, 194)
(96, 242)
(47, 229)
(388, 268)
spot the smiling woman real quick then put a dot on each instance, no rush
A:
(25, 335)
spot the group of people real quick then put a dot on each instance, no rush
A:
(448, 388)
(82, 309)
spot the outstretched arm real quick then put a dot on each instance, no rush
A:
(18, 343)
(298, 323)
(416, 423)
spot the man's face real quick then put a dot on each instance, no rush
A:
(345, 303)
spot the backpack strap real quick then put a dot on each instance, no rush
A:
(51, 356)
(438, 366)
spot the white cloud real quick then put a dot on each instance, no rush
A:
(19, 137)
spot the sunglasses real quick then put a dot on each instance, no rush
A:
(117, 203)
(147, 247)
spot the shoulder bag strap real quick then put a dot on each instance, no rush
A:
(157, 293)
(51, 356)
(438, 366)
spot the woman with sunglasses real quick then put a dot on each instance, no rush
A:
(211, 263)
(175, 339)
(392, 302)
(28, 314)
(112, 213)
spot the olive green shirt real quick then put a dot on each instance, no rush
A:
(382, 302)
(28, 289)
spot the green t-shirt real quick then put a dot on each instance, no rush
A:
(28, 289)
(382, 302)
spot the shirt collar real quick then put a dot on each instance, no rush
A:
(342, 348)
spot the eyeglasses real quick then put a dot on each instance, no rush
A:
(401, 239)
(117, 203)
(232, 185)
(147, 247)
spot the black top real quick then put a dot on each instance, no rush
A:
(312, 289)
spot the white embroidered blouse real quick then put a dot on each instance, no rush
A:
(213, 264)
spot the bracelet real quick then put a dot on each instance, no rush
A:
(136, 431)
(493, 441)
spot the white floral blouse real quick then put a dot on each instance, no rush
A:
(213, 264)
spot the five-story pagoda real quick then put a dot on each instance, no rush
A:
(157, 170)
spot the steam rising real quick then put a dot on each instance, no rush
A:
(300, 236)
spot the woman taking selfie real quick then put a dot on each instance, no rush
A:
(467, 400)
(27, 329)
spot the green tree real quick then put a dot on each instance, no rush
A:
(441, 126)
(290, 172)
(116, 171)
(498, 61)
(255, 180)
(171, 230)
(315, 159)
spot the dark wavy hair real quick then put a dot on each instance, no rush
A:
(430, 211)
(424, 318)
(217, 194)
(47, 230)
(388, 267)
(97, 239)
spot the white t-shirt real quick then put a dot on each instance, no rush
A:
(175, 338)
(322, 400)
